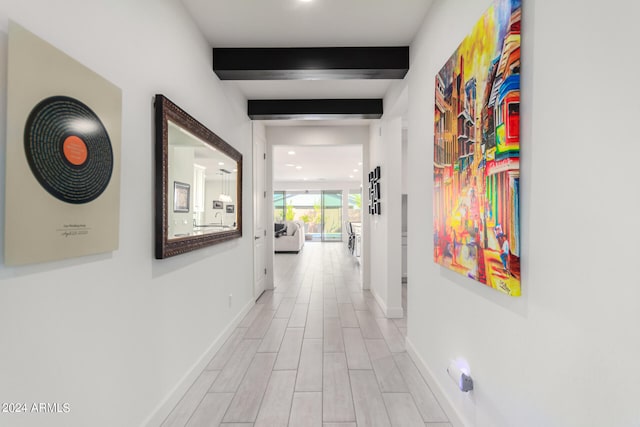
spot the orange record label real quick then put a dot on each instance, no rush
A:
(75, 150)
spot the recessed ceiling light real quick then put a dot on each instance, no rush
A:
(306, 1)
(359, 163)
(355, 170)
(291, 153)
(304, 179)
(220, 163)
(298, 167)
(290, 165)
(351, 176)
(235, 170)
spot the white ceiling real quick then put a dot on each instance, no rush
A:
(315, 23)
(318, 164)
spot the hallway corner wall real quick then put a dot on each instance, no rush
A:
(385, 150)
(565, 353)
(120, 336)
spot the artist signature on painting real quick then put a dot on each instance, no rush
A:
(71, 230)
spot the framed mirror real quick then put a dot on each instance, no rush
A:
(198, 184)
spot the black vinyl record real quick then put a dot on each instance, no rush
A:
(68, 149)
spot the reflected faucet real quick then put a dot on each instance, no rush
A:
(216, 216)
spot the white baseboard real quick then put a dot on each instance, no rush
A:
(389, 312)
(158, 416)
(455, 417)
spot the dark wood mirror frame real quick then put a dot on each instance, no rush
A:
(166, 111)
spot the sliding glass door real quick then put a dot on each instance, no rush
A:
(331, 216)
(321, 212)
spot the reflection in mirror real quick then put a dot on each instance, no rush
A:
(210, 176)
(198, 183)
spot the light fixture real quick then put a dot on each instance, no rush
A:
(220, 163)
(355, 170)
(298, 167)
(359, 163)
(351, 176)
(224, 193)
(458, 370)
(290, 165)
(291, 153)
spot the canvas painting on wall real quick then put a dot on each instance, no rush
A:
(476, 153)
(63, 155)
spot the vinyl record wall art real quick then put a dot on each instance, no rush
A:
(63, 155)
(68, 149)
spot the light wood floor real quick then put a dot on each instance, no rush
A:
(316, 351)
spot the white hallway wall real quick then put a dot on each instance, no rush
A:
(385, 229)
(566, 353)
(115, 334)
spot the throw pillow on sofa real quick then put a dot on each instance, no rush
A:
(280, 230)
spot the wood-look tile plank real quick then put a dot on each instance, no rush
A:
(402, 410)
(289, 354)
(342, 295)
(273, 337)
(316, 302)
(329, 291)
(347, 315)
(357, 355)
(286, 307)
(251, 316)
(331, 308)
(236, 425)
(304, 296)
(438, 425)
(374, 308)
(368, 325)
(233, 372)
(306, 410)
(276, 404)
(259, 326)
(333, 342)
(337, 403)
(339, 425)
(387, 372)
(246, 402)
(211, 410)
(391, 335)
(315, 324)
(367, 400)
(357, 299)
(422, 395)
(310, 368)
(298, 316)
(190, 401)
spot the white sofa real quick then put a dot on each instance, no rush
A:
(292, 240)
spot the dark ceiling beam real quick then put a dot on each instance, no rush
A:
(311, 63)
(318, 109)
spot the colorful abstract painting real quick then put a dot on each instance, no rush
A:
(476, 152)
